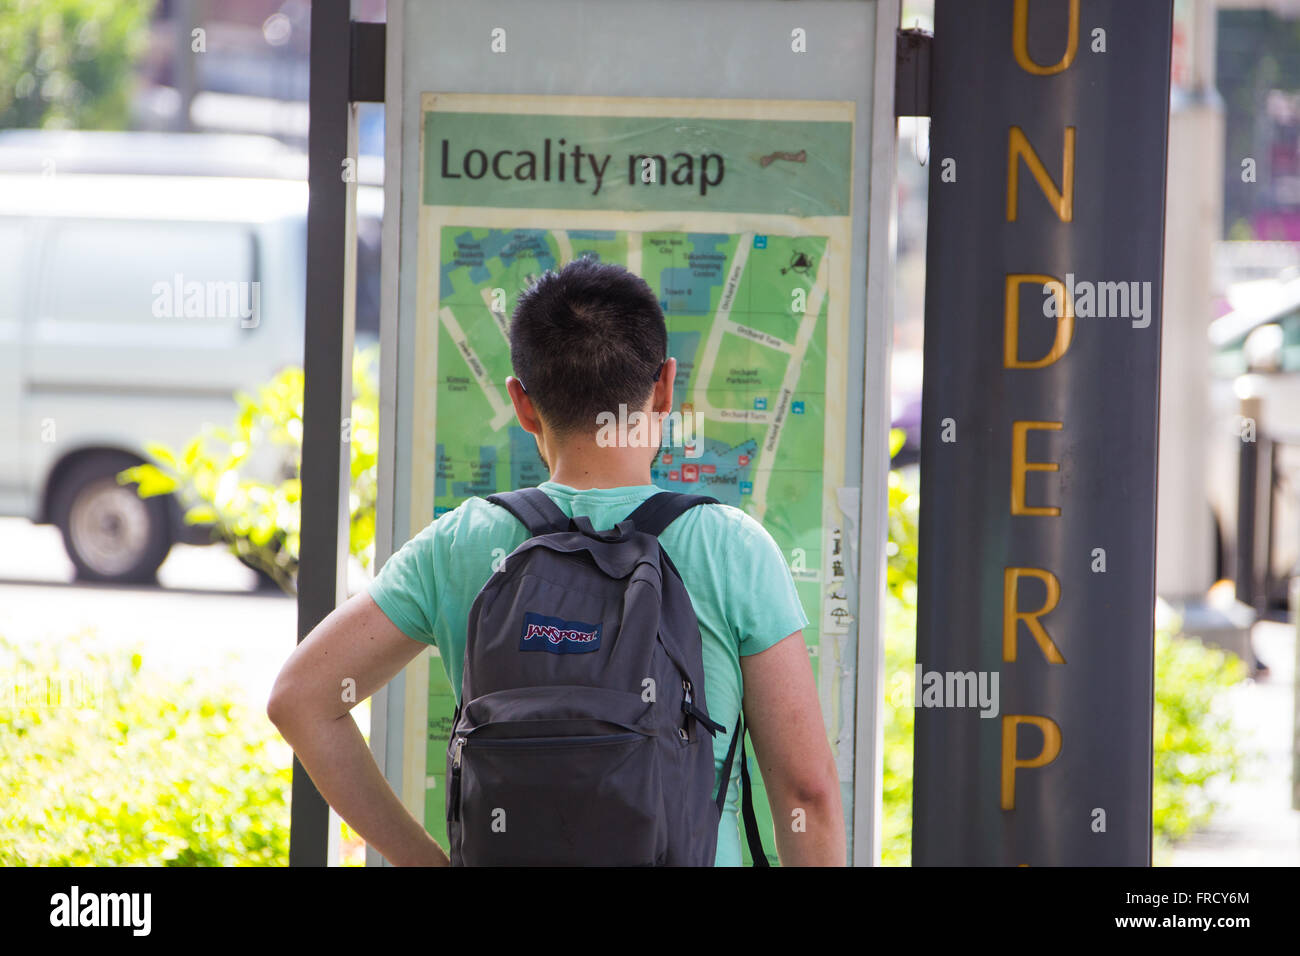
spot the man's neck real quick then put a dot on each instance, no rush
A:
(584, 466)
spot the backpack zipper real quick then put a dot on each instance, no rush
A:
(532, 742)
(453, 812)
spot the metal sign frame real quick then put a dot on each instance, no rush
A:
(445, 30)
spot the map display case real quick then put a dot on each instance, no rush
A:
(747, 215)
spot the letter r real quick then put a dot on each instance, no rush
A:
(1012, 615)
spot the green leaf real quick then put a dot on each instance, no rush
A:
(161, 453)
(897, 438)
(150, 481)
(201, 514)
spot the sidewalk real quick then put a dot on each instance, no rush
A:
(1256, 825)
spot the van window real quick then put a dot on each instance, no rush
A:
(112, 271)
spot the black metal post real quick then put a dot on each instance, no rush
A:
(912, 73)
(327, 364)
(1039, 437)
(1247, 501)
(1269, 451)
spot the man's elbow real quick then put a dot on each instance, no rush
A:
(816, 787)
(296, 702)
(281, 705)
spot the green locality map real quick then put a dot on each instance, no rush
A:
(747, 323)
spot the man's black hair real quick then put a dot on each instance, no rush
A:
(585, 340)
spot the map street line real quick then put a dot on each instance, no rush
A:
(503, 323)
(503, 411)
(721, 322)
(566, 247)
(763, 471)
(634, 253)
(762, 338)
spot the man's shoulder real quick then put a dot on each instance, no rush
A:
(724, 526)
(473, 519)
(729, 517)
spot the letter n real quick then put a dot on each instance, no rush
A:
(1061, 200)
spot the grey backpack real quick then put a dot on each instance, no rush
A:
(583, 736)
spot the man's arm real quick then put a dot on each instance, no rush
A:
(784, 719)
(356, 641)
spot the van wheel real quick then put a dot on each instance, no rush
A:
(111, 534)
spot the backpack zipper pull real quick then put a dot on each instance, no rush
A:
(453, 811)
(689, 708)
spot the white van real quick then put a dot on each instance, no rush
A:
(131, 309)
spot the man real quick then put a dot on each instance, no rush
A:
(583, 342)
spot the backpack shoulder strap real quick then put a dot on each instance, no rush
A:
(660, 510)
(534, 509)
(754, 839)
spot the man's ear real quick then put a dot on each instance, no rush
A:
(529, 420)
(662, 398)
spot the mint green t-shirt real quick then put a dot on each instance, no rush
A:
(737, 579)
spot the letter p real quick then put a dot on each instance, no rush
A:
(1011, 763)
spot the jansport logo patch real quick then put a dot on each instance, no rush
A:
(542, 633)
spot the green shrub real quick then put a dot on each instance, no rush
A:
(105, 763)
(1195, 741)
(220, 474)
(900, 658)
